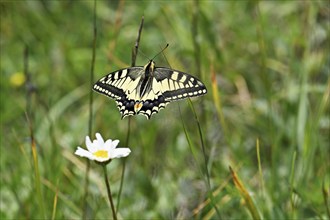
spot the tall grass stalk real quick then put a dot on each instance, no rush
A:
(266, 89)
(90, 120)
(29, 118)
(190, 143)
(194, 153)
(202, 143)
(197, 56)
(135, 51)
(55, 203)
(260, 168)
(124, 164)
(208, 181)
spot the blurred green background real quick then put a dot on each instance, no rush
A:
(266, 67)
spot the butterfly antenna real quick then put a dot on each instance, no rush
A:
(166, 60)
(144, 54)
(160, 51)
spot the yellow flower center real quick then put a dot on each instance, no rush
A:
(101, 153)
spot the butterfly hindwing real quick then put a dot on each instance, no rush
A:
(146, 90)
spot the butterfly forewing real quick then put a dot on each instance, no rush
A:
(177, 85)
(146, 90)
(118, 83)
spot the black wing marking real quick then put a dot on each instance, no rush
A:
(145, 107)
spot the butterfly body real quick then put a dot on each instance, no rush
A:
(146, 90)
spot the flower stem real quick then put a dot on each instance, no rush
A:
(109, 192)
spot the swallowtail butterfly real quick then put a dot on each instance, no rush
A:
(146, 90)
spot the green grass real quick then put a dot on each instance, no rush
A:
(266, 67)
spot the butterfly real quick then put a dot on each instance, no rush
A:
(147, 89)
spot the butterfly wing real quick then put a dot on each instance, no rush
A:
(119, 83)
(176, 85)
(122, 86)
(170, 85)
(136, 93)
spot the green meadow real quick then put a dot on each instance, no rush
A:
(256, 146)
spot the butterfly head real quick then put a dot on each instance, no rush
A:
(149, 67)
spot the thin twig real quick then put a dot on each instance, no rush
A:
(30, 88)
(90, 121)
(134, 55)
(136, 47)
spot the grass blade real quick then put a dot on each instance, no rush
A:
(325, 192)
(292, 183)
(245, 195)
(55, 204)
(260, 168)
(217, 102)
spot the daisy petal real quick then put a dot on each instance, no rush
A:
(84, 153)
(108, 144)
(99, 140)
(95, 144)
(111, 145)
(89, 144)
(120, 152)
(115, 143)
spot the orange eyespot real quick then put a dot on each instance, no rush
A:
(138, 106)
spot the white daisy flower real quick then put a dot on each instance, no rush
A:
(101, 151)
